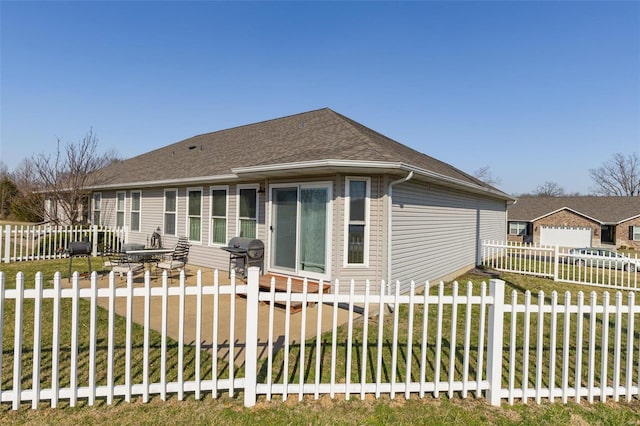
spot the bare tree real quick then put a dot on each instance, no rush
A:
(549, 189)
(65, 177)
(619, 176)
(485, 174)
(28, 204)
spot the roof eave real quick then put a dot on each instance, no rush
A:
(571, 210)
(367, 166)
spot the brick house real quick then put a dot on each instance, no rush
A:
(576, 221)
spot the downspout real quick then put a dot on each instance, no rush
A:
(389, 224)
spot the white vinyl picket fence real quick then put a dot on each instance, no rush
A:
(454, 341)
(560, 264)
(43, 242)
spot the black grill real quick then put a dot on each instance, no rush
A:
(79, 249)
(243, 253)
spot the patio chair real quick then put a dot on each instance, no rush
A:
(177, 259)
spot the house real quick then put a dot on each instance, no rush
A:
(329, 197)
(576, 221)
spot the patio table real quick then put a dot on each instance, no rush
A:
(148, 255)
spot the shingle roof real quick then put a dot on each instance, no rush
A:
(603, 209)
(311, 136)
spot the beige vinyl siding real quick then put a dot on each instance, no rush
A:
(108, 210)
(435, 231)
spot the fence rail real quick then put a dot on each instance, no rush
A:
(448, 339)
(562, 264)
(43, 242)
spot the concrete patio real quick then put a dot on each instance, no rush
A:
(225, 326)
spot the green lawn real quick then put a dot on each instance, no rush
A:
(325, 411)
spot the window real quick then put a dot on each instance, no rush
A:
(194, 214)
(218, 216)
(517, 228)
(170, 211)
(136, 198)
(247, 212)
(634, 233)
(357, 221)
(120, 197)
(97, 207)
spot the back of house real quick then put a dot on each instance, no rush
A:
(328, 197)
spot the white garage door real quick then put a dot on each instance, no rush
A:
(565, 236)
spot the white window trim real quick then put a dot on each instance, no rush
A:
(94, 209)
(137, 191)
(164, 211)
(367, 222)
(189, 190)
(124, 208)
(328, 237)
(247, 186)
(224, 188)
(520, 223)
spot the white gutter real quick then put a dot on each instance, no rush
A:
(389, 224)
(380, 165)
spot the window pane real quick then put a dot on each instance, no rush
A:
(97, 201)
(135, 221)
(194, 229)
(135, 201)
(96, 217)
(120, 202)
(355, 251)
(357, 192)
(195, 198)
(636, 233)
(170, 223)
(170, 201)
(248, 203)
(120, 219)
(247, 228)
(219, 202)
(219, 231)
(313, 229)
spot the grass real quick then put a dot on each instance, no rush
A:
(324, 411)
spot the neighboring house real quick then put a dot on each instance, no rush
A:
(56, 212)
(576, 221)
(330, 198)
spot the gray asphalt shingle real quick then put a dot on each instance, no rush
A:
(311, 136)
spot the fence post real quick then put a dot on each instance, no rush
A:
(251, 338)
(556, 262)
(7, 244)
(94, 239)
(495, 341)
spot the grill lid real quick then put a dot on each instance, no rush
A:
(254, 248)
(77, 248)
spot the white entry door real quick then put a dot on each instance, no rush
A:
(300, 229)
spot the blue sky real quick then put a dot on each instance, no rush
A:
(537, 91)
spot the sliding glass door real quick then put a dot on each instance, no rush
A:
(300, 228)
